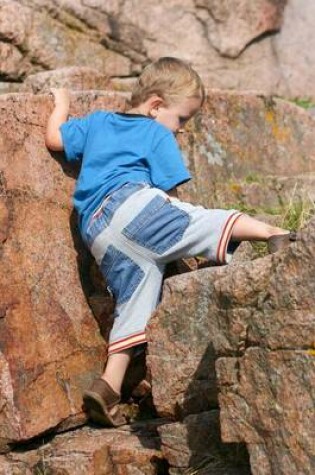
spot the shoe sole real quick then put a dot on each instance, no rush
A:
(281, 241)
(97, 410)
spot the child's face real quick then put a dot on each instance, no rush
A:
(175, 116)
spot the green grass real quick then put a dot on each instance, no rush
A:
(293, 215)
(297, 213)
(305, 102)
(244, 208)
(253, 178)
(260, 248)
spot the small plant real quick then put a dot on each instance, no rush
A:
(298, 211)
(41, 467)
(244, 208)
(293, 216)
(305, 102)
(202, 467)
(260, 248)
(253, 178)
(220, 460)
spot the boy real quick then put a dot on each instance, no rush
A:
(129, 213)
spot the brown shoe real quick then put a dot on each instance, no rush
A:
(280, 241)
(102, 404)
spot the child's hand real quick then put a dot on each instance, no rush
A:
(59, 115)
(61, 96)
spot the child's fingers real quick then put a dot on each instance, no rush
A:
(54, 92)
(60, 91)
(60, 95)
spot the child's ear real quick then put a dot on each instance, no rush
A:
(155, 102)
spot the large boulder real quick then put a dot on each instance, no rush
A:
(51, 346)
(267, 400)
(92, 451)
(250, 150)
(41, 36)
(50, 343)
(254, 323)
(232, 25)
(195, 444)
(74, 78)
(265, 45)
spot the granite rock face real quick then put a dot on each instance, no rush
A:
(265, 45)
(73, 78)
(40, 35)
(195, 443)
(253, 325)
(250, 150)
(219, 327)
(92, 451)
(267, 400)
(50, 343)
(232, 25)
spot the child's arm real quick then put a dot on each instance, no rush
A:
(59, 115)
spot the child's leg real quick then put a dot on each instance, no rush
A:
(116, 368)
(131, 315)
(245, 229)
(250, 229)
(102, 398)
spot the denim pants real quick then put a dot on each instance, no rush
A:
(134, 233)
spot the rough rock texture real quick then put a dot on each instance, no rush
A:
(231, 25)
(195, 443)
(74, 78)
(39, 35)
(288, 46)
(50, 343)
(250, 150)
(265, 45)
(258, 317)
(91, 451)
(51, 346)
(267, 400)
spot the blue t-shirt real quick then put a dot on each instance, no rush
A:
(118, 148)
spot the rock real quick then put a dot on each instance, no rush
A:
(47, 37)
(51, 346)
(195, 444)
(267, 400)
(91, 451)
(123, 84)
(249, 150)
(9, 87)
(50, 343)
(295, 51)
(232, 25)
(12, 64)
(75, 78)
(259, 321)
(266, 45)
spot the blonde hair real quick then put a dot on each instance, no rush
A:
(172, 79)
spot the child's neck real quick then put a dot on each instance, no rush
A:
(138, 110)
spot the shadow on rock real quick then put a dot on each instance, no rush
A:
(92, 282)
(208, 455)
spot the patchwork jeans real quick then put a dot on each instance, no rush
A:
(138, 230)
